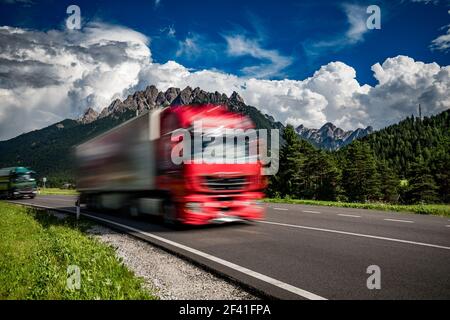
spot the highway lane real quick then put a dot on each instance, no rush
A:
(323, 251)
(413, 227)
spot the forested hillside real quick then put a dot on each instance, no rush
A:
(408, 163)
(411, 141)
(49, 151)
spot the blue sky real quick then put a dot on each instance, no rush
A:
(290, 29)
(302, 62)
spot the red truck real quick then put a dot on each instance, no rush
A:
(132, 168)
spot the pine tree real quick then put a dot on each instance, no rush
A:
(422, 186)
(389, 182)
(440, 165)
(360, 178)
(287, 181)
(328, 177)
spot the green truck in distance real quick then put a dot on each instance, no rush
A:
(17, 182)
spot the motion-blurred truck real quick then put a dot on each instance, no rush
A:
(17, 182)
(132, 167)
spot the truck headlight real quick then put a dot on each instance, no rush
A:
(194, 206)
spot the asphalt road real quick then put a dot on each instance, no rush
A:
(310, 252)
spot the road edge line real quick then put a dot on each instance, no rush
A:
(259, 276)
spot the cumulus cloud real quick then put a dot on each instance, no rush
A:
(403, 85)
(331, 94)
(49, 76)
(46, 76)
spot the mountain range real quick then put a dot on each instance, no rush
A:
(49, 150)
(152, 98)
(330, 137)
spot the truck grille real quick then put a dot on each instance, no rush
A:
(216, 183)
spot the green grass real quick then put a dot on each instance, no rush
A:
(36, 248)
(57, 191)
(432, 209)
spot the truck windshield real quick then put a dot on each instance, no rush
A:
(24, 177)
(219, 146)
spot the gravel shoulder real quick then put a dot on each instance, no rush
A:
(169, 276)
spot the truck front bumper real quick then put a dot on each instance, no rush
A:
(199, 209)
(23, 193)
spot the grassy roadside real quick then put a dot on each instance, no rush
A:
(36, 249)
(432, 209)
(57, 191)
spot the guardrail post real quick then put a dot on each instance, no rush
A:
(78, 208)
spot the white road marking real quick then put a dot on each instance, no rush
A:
(254, 274)
(448, 226)
(398, 220)
(282, 209)
(348, 215)
(356, 234)
(309, 211)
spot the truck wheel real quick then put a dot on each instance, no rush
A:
(92, 203)
(133, 210)
(170, 214)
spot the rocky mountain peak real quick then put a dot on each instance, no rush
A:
(184, 97)
(330, 137)
(328, 128)
(88, 116)
(236, 97)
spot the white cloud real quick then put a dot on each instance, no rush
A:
(45, 76)
(356, 16)
(426, 1)
(443, 41)
(331, 94)
(197, 48)
(23, 2)
(170, 31)
(238, 46)
(403, 85)
(189, 47)
(49, 76)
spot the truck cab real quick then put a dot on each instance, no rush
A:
(17, 182)
(205, 187)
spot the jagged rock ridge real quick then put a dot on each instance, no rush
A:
(152, 98)
(330, 137)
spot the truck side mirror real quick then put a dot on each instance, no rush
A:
(176, 139)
